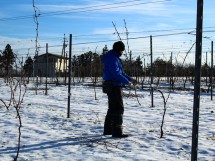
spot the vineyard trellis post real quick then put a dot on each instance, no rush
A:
(151, 73)
(196, 102)
(69, 83)
(211, 70)
(64, 62)
(171, 73)
(206, 69)
(46, 91)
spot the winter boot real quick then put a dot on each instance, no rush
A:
(117, 130)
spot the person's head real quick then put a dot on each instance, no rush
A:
(119, 47)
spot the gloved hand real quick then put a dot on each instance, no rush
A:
(133, 81)
(131, 86)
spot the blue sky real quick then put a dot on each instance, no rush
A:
(91, 21)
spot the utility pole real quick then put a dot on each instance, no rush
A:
(64, 59)
(197, 83)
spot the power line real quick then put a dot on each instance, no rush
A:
(131, 38)
(137, 32)
(86, 9)
(98, 7)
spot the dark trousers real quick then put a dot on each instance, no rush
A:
(114, 117)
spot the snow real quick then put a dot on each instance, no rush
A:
(47, 133)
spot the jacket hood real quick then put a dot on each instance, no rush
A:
(108, 56)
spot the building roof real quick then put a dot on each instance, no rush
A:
(52, 55)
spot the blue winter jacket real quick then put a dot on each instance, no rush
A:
(113, 70)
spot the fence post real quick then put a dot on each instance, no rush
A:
(197, 83)
(206, 69)
(212, 70)
(46, 91)
(69, 84)
(152, 88)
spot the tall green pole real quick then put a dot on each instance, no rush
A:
(212, 62)
(46, 91)
(152, 74)
(196, 102)
(69, 84)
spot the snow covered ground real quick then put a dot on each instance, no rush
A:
(47, 133)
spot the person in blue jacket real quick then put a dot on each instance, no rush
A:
(113, 72)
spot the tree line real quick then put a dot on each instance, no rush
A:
(89, 64)
(8, 64)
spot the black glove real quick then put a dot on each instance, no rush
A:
(133, 81)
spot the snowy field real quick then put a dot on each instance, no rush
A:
(47, 133)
